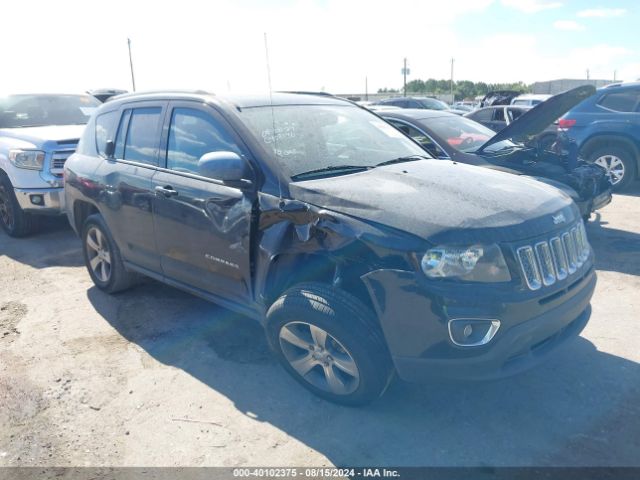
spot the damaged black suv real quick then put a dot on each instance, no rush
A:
(360, 255)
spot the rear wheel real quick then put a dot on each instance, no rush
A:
(329, 342)
(15, 221)
(102, 257)
(619, 164)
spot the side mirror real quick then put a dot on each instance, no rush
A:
(226, 166)
(110, 149)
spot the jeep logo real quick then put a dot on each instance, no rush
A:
(559, 218)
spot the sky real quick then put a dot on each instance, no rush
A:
(319, 45)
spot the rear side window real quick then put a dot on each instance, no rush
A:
(192, 134)
(482, 115)
(621, 101)
(105, 130)
(141, 144)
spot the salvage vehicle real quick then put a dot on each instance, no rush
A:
(451, 137)
(605, 130)
(104, 94)
(37, 134)
(359, 254)
(499, 97)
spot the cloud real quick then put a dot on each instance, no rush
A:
(531, 6)
(602, 12)
(569, 25)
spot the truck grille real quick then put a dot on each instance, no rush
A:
(552, 260)
(58, 158)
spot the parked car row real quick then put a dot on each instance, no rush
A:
(361, 249)
(449, 136)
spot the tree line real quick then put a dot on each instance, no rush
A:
(463, 89)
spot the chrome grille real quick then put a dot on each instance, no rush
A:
(549, 261)
(58, 158)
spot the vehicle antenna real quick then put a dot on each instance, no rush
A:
(273, 115)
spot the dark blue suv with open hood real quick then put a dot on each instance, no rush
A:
(359, 254)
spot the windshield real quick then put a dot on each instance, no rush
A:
(39, 110)
(309, 138)
(465, 134)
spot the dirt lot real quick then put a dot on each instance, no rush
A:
(156, 377)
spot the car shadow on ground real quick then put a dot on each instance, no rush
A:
(633, 190)
(52, 244)
(579, 408)
(616, 250)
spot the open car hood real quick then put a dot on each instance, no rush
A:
(534, 121)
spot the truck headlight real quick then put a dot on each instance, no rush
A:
(477, 263)
(29, 159)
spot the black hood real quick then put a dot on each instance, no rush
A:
(534, 121)
(442, 201)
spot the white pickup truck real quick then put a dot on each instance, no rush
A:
(37, 134)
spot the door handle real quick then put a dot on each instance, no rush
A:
(166, 191)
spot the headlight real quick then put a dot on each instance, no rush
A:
(477, 263)
(30, 159)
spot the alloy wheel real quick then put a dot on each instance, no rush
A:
(319, 358)
(98, 254)
(614, 167)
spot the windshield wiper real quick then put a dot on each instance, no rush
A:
(330, 169)
(408, 158)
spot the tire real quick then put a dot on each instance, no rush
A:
(614, 158)
(102, 257)
(296, 326)
(15, 221)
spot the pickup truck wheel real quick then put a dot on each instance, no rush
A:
(15, 221)
(328, 341)
(102, 257)
(619, 164)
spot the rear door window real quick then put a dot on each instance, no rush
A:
(483, 115)
(498, 115)
(142, 138)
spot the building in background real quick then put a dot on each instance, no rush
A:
(553, 87)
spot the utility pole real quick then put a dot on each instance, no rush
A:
(587, 74)
(404, 72)
(615, 74)
(452, 97)
(366, 88)
(133, 80)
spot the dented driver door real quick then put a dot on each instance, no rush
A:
(202, 226)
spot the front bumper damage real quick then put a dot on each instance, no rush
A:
(414, 319)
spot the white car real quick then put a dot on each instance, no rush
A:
(530, 99)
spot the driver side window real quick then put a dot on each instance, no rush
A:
(193, 133)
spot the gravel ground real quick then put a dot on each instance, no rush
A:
(156, 377)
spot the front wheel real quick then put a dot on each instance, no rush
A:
(329, 342)
(618, 163)
(15, 221)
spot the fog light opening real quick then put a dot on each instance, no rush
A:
(472, 332)
(37, 199)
